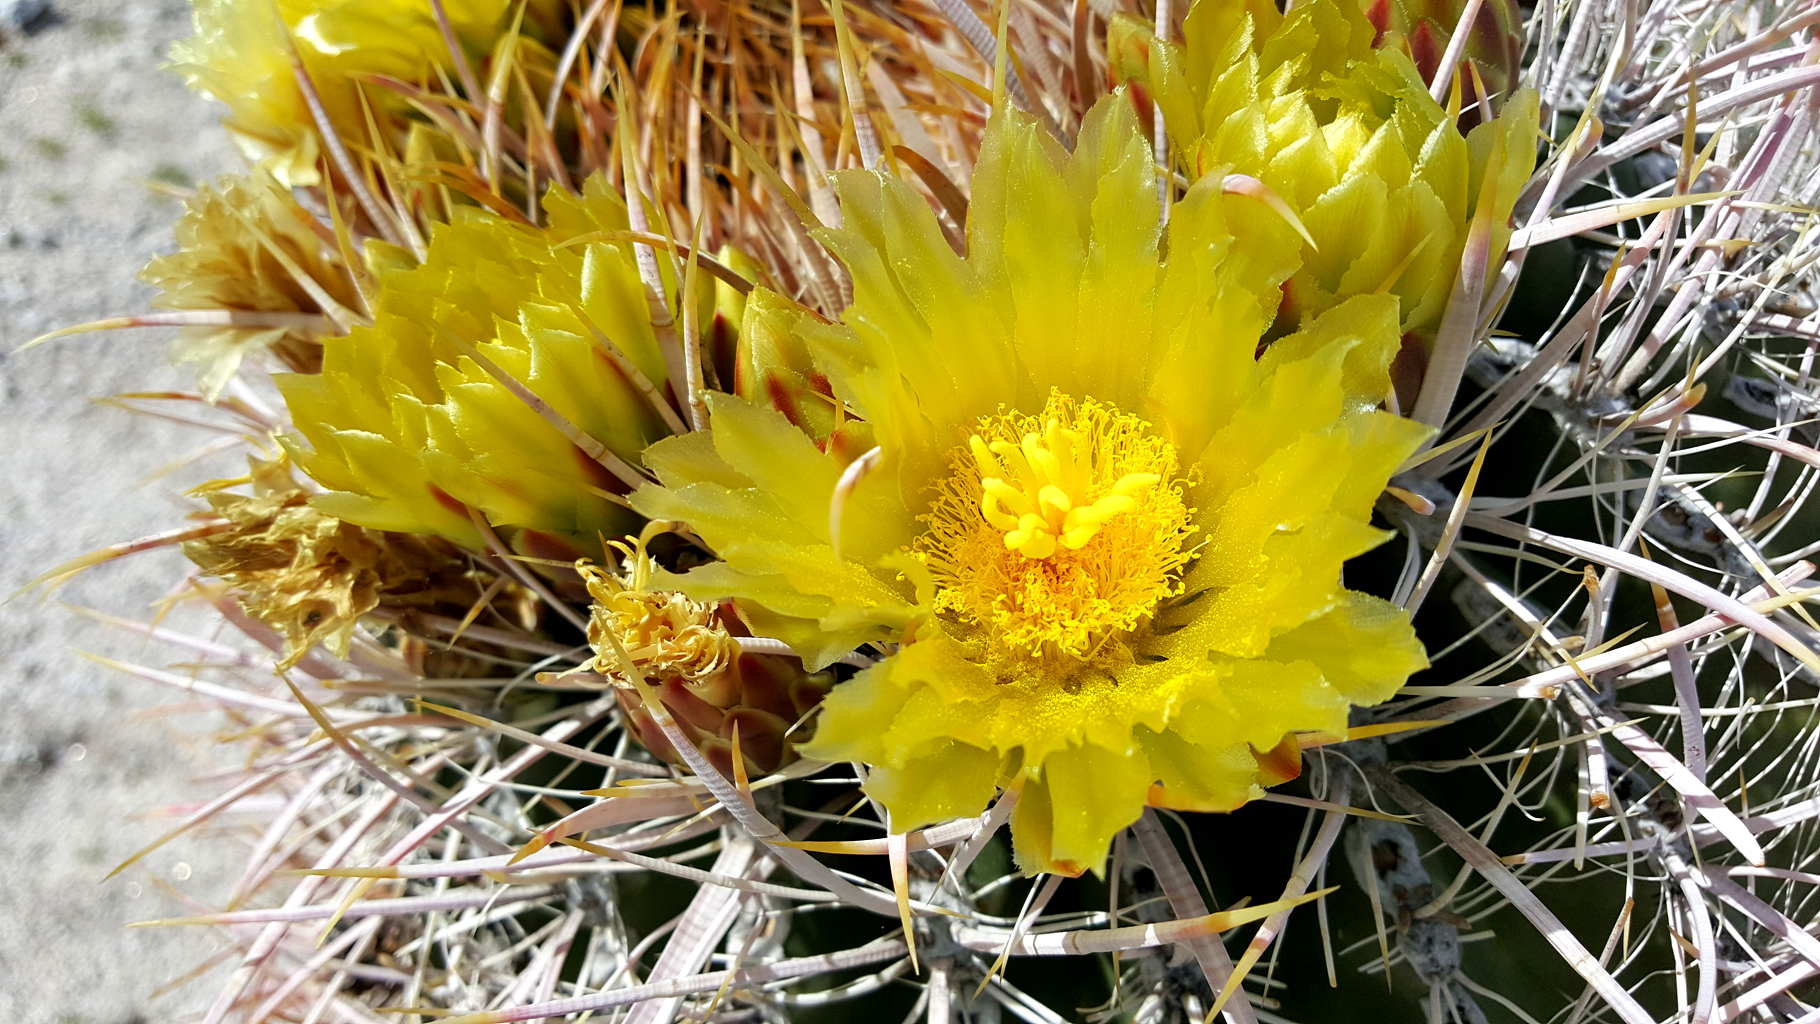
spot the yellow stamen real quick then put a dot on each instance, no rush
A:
(1056, 532)
(1044, 482)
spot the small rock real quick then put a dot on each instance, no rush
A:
(25, 15)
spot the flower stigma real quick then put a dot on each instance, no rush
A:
(1055, 535)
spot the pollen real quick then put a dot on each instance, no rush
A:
(665, 634)
(1055, 535)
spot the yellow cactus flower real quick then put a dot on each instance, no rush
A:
(509, 376)
(246, 247)
(240, 55)
(1100, 540)
(1346, 135)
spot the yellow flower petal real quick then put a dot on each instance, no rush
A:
(1364, 646)
(1094, 793)
(1198, 776)
(240, 54)
(952, 780)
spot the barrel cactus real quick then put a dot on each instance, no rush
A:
(906, 511)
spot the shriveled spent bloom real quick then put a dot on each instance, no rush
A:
(248, 251)
(309, 575)
(1106, 532)
(660, 633)
(1347, 136)
(683, 648)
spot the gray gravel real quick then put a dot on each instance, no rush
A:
(85, 753)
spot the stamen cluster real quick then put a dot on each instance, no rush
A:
(1053, 473)
(1055, 534)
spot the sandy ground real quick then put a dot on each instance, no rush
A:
(85, 118)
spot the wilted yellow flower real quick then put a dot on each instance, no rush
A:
(716, 693)
(664, 634)
(1105, 531)
(429, 414)
(1346, 135)
(246, 247)
(309, 575)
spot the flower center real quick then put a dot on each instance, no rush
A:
(1057, 533)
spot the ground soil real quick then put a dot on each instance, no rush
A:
(94, 764)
